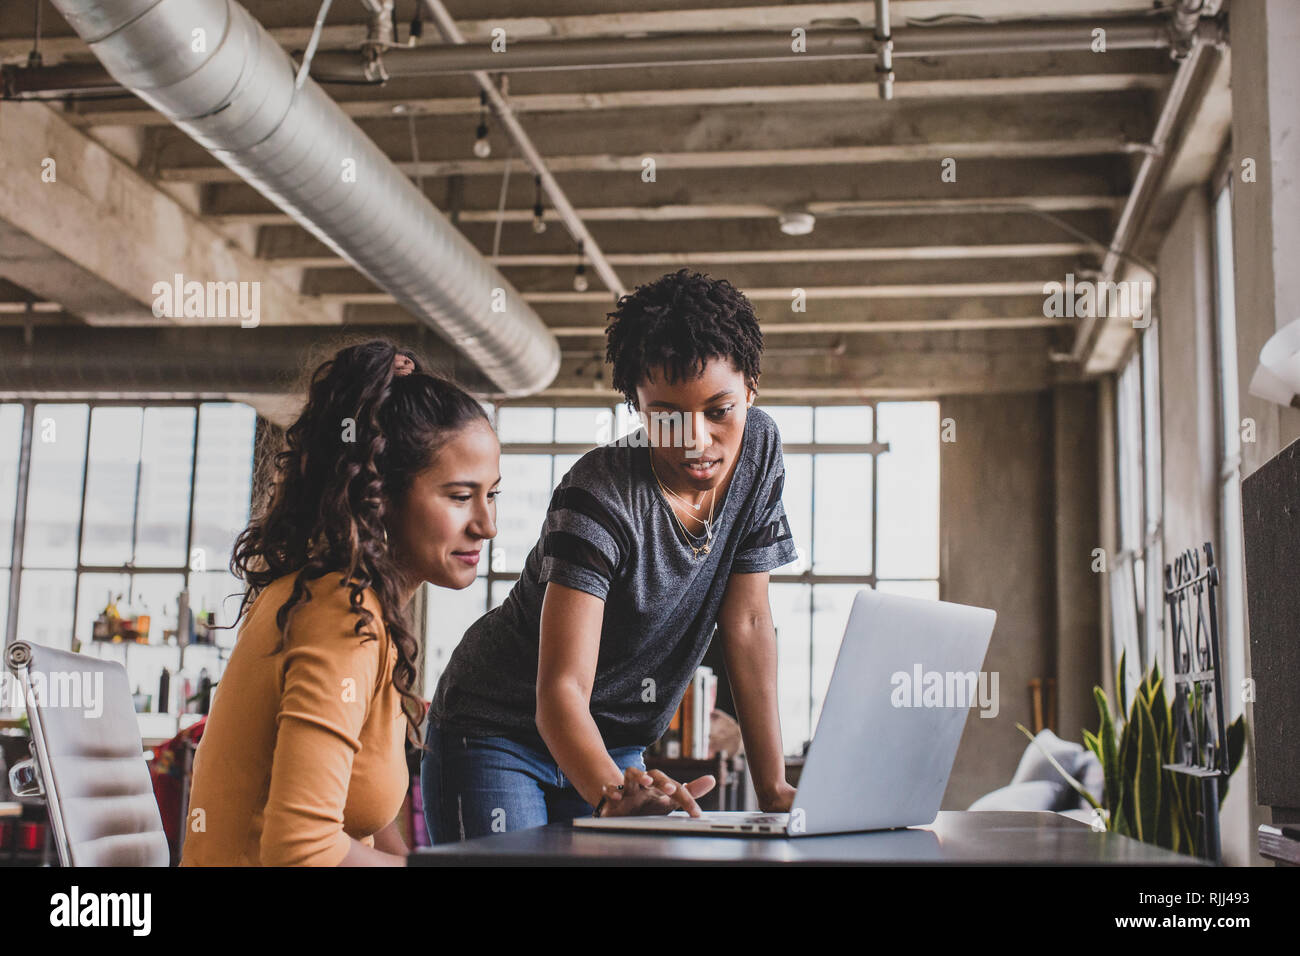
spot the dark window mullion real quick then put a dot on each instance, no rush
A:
(81, 524)
(20, 521)
(189, 524)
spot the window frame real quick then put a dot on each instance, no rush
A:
(130, 569)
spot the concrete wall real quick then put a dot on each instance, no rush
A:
(1077, 530)
(996, 551)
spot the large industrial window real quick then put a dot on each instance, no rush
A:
(1137, 574)
(1231, 556)
(861, 492)
(121, 502)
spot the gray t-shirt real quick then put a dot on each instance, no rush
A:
(610, 532)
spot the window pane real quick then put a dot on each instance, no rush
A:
(843, 423)
(591, 426)
(45, 607)
(54, 491)
(1128, 414)
(907, 536)
(928, 590)
(831, 606)
(218, 592)
(224, 481)
(156, 595)
(794, 422)
(94, 595)
(110, 485)
(797, 498)
(563, 463)
(842, 514)
(164, 509)
(532, 425)
(500, 591)
(790, 614)
(1226, 319)
(11, 436)
(450, 613)
(522, 509)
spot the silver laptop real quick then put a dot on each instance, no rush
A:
(905, 680)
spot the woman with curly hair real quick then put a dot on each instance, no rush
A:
(548, 702)
(388, 479)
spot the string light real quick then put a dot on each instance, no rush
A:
(580, 273)
(539, 223)
(482, 148)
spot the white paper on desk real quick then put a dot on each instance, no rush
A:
(1277, 377)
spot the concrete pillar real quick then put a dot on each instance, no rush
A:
(1077, 532)
(1266, 212)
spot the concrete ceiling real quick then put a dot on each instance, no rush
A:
(915, 285)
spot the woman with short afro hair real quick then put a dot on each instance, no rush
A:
(547, 705)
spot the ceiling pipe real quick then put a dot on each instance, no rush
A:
(1146, 183)
(757, 46)
(344, 66)
(587, 245)
(215, 72)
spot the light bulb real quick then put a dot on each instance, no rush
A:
(539, 225)
(579, 282)
(482, 148)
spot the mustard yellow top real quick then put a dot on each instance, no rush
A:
(303, 748)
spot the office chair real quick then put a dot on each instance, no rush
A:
(87, 759)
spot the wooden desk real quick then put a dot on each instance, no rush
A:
(959, 837)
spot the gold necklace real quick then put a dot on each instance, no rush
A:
(708, 525)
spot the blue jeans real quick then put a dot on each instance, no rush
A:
(473, 786)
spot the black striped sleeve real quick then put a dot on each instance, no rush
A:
(583, 541)
(768, 543)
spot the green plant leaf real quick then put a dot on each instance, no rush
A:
(1093, 744)
(1146, 792)
(1119, 681)
(1110, 765)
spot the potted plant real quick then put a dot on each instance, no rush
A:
(1145, 799)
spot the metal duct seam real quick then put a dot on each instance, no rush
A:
(236, 98)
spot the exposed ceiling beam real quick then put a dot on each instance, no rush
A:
(98, 236)
(682, 213)
(730, 159)
(955, 289)
(96, 113)
(273, 359)
(1037, 128)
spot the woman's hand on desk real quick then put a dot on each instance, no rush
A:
(654, 793)
(779, 801)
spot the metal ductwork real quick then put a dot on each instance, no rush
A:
(213, 70)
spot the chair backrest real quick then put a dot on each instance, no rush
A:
(87, 747)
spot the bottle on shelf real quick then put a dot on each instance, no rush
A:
(184, 619)
(143, 620)
(204, 692)
(164, 692)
